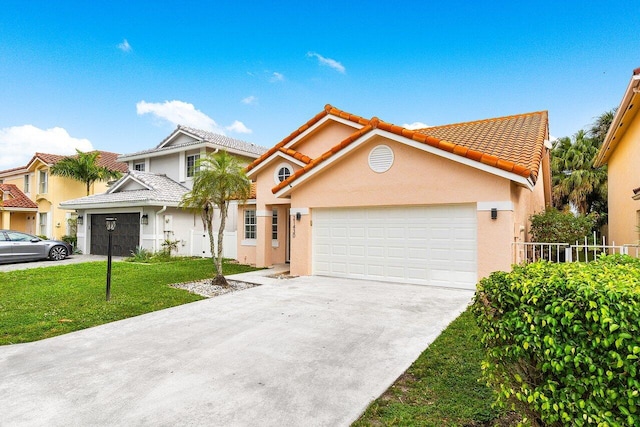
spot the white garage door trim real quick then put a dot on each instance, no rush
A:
(424, 245)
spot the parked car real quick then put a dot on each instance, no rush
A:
(16, 246)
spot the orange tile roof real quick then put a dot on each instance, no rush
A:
(512, 143)
(17, 198)
(295, 154)
(106, 159)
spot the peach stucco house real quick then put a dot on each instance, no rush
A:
(620, 151)
(352, 197)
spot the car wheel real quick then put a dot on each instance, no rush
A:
(58, 253)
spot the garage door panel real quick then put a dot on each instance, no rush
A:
(433, 245)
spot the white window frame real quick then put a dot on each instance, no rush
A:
(250, 224)
(274, 227)
(26, 184)
(194, 168)
(44, 181)
(277, 177)
(43, 226)
(139, 166)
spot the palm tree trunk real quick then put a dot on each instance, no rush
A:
(220, 280)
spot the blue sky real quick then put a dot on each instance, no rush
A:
(119, 75)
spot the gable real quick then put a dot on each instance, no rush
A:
(415, 177)
(322, 138)
(177, 138)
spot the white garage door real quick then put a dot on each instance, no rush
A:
(426, 245)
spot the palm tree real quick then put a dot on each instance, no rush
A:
(84, 167)
(575, 181)
(600, 126)
(219, 180)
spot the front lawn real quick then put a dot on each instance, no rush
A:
(45, 302)
(441, 387)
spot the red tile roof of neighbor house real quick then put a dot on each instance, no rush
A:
(106, 159)
(512, 143)
(17, 198)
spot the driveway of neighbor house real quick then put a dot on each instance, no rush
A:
(72, 259)
(310, 351)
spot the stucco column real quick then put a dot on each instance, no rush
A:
(495, 237)
(6, 219)
(263, 237)
(301, 242)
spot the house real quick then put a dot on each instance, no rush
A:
(353, 197)
(146, 200)
(620, 151)
(34, 182)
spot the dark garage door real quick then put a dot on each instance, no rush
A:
(126, 236)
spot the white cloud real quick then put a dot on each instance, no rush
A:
(328, 62)
(238, 127)
(18, 144)
(179, 113)
(124, 46)
(415, 125)
(250, 100)
(276, 77)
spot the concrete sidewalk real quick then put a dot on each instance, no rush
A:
(308, 351)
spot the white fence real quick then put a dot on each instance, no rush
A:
(525, 252)
(200, 244)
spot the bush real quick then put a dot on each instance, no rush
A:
(72, 240)
(140, 255)
(553, 226)
(563, 340)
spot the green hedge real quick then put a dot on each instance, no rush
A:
(563, 340)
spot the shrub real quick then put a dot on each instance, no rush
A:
(563, 340)
(553, 226)
(72, 240)
(140, 255)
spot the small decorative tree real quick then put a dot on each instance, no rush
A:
(219, 179)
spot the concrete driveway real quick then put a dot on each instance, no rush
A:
(72, 259)
(309, 351)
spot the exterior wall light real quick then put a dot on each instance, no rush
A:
(144, 219)
(494, 213)
(80, 220)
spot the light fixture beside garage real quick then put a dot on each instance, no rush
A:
(494, 213)
(80, 220)
(144, 219)
(381, 158)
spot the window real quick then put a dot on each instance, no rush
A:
(43, 223)
(250, 224)
(43, 182)
(274, 224)
(138, 167)
(282, 172)
(26, 183)
(192, 165)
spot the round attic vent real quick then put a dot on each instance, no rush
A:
(381, 159)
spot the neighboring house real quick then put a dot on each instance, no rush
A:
(17, 211)
(146, 200)
(45, 191)
(361, 198)
(620, 151)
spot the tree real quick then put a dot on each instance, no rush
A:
(219, 179)
(575, 181)
(84, 167)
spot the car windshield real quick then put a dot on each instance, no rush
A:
(14, 236)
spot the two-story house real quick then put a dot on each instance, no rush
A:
(146, 201)
(31, 194)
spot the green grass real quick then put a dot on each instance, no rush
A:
(44, 302)
(441, 388)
